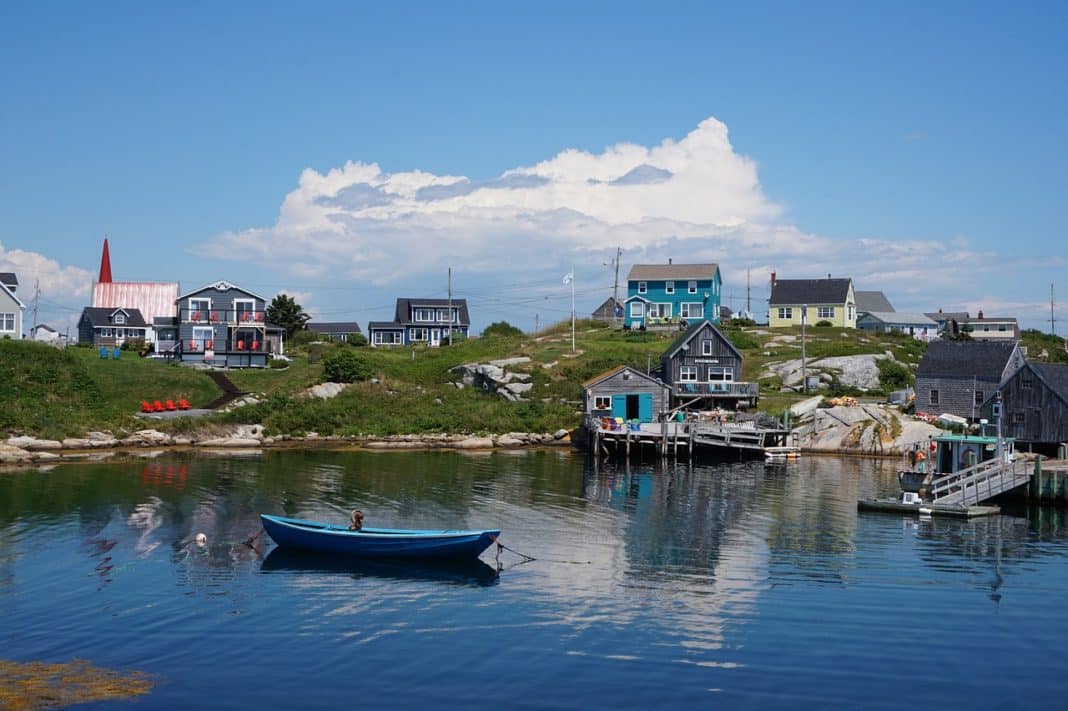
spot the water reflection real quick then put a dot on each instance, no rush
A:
(461, 572)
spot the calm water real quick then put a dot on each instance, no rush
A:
(730, 585)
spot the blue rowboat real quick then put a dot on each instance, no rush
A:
(376, 542)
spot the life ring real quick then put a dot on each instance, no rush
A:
(920, 456)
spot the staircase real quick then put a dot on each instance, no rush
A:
(230, 391)
(976, 484)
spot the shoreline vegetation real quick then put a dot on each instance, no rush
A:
(65, 404)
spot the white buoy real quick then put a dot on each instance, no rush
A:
(201, 539)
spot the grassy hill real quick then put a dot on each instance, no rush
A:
(53, 393)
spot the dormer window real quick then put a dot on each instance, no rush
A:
(424, 315)
(120, 318)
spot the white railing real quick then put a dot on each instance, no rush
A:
(980, 482)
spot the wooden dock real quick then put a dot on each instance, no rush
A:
(956, 510)
(667, 439)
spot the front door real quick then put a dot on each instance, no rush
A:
(435, 337)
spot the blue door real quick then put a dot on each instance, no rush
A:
(645, 407)
(619, 406)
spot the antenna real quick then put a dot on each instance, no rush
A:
(748, 295)
(36, 298)
(450, 306)
(1052, 318)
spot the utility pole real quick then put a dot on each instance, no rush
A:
(1052, 319)
(537, 326)
(450, 306)
(36, 298)
(615, 285)
(804, 372)
(748, 295)
(572, 308)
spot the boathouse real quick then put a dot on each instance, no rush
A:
(702, 367)
(956, 377)
(626, 393)
(1034, 407)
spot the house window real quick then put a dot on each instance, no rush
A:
(1018, 418)
(934, 396)
(637, 309)
(786, 312)
(688, 374)
(425, 315)
(120, 319)
(825, 312)
(387, 338)
(643, 287)
(660, 310)
(602, 402)
(443, 315)
(691, 310)
(691, 287)
(1027, 383)
(1001, 327)
(706, 347)
(107, 333)
(201, 336)
(852, 313)
(7, 322)
(669, 287)
(720, 374)
(417, 334)
(244, 310)
(198, 309)
(979, 397)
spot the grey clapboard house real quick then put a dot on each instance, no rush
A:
(956, 377)
(421, 321)
(223, 324)
(105, 326)
(1034, 406)
(626, 393)
(703, 367)
(337, 331)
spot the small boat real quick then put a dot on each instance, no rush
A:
(376, 542)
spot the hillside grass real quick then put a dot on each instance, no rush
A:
(55, 393)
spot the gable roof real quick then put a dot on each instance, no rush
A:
(1055, 375)
(982, 359)
(946, 315)
(686, 336)
(900, 317)
(404, 307)
(655, 272)
(220, 286)
(873, 302)
(10, 293)
(44, 327)
(150, 298)
(328, 327)
(101, 317)
(615, 371)
(9, 279)
(810, 291)
(609, 308)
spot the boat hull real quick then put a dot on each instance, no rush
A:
(376, 542)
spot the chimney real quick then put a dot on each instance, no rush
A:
(980, 314)
(669, 260)
(773, 280)
(105, 265)
(828, 275)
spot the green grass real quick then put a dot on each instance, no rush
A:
(53, 393)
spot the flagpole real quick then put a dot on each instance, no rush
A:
(572, 308)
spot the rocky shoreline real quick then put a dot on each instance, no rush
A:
(96, 446)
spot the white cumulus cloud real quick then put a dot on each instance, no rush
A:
(695, 199)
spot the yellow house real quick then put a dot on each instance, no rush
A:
(828, 299)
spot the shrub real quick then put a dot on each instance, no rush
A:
(893, 375)
(357, 340)
(277, 364)
(741, 340)
(346, 366)
(501, 328)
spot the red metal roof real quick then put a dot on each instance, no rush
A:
(152, 299)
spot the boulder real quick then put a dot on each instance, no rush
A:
(230, 442)
(10, 454)
(509, 441)
(505, 362)
(147, 438)
(518, 388)
(560, 434)
(805, 407)
(474, 443)
(76, 443)
(32, 444)
(325, 391)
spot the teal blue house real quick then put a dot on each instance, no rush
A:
(665, 295)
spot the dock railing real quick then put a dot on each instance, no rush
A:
(980, 482)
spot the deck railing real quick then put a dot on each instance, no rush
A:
(249, 317)
(980, 482)
(731, 388)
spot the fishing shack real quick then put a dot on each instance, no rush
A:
(624, 394)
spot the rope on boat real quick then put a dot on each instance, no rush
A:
(251, 540)
(501, 547)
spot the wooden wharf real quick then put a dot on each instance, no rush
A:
(666, 439)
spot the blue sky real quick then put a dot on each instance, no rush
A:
(917, 147)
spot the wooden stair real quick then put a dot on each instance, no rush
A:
(979, 483)
(230, 391)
